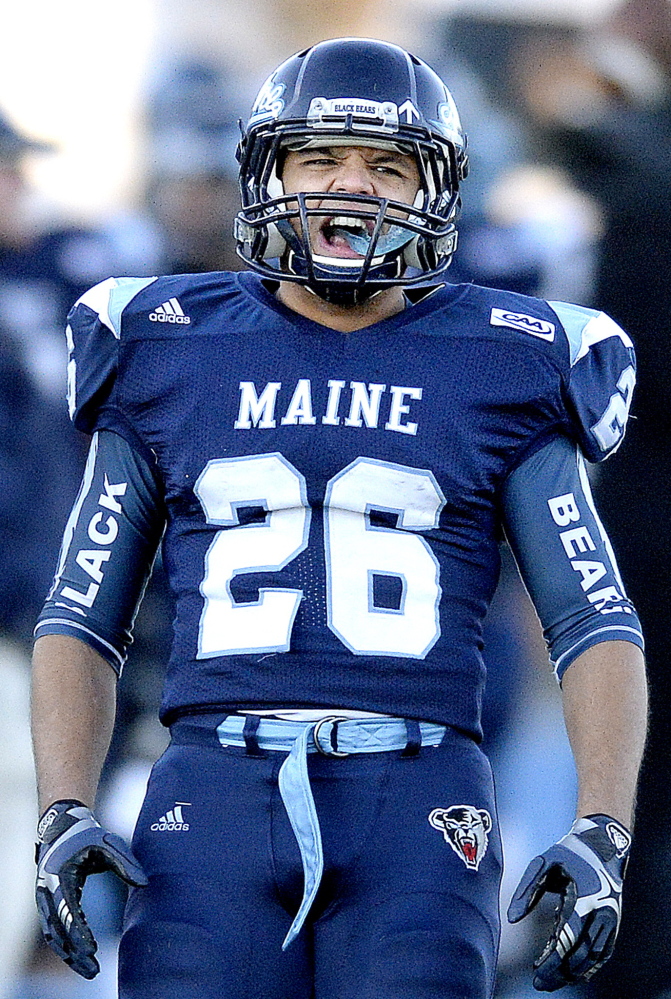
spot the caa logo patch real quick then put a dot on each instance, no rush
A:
(527, 324)
(466, 829)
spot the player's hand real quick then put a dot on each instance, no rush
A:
(71, 845)
(586, 869)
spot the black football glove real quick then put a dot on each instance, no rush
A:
(586, 869)
(71, 845)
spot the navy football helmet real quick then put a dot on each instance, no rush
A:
(359, 92)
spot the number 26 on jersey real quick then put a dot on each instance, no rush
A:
(354, 552)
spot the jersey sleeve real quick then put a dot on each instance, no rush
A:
(564, 555)
(108, 550)
(93, 333)
(601, 381)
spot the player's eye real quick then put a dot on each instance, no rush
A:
(389, 171)
(319, 161)
(395, 169)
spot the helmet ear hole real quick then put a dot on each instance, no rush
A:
(275, 187)
(276, 244)
(410, 255)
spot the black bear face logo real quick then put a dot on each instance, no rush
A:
(466, 829)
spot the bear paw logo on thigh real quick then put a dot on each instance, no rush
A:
(466, 829)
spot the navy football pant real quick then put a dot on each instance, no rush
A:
(400, 914)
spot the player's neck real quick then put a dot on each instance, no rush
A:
(345, 319)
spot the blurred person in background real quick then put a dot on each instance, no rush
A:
(38, 476)
(600, 104)
(36, 291)
(46, 263)
(260, 670)
(192, 182)
(526, 227)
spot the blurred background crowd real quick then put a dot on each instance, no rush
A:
(117, 138)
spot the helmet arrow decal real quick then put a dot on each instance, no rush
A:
(409, 110)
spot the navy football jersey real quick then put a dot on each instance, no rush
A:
(334, 502)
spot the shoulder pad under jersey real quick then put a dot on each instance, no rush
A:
(93, 333)
(602, 378)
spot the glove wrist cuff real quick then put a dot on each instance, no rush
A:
(608, 838)
(67, 802)
(53, 813)
(601, 818)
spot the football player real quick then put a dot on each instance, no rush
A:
(329, 447)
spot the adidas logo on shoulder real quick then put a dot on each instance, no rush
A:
(173, 820)
(170, 312)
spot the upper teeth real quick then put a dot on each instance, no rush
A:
(346, 220)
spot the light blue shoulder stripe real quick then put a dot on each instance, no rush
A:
(585, 328)
(126, 290)
(574, 319)
(110, 298)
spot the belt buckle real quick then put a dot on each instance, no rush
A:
(315, 736)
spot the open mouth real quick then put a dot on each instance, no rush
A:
(344, 236)
(349, 238)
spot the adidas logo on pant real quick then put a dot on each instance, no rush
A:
(172, 821)
(170, 312)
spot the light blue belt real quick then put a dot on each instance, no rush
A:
(332, 737)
